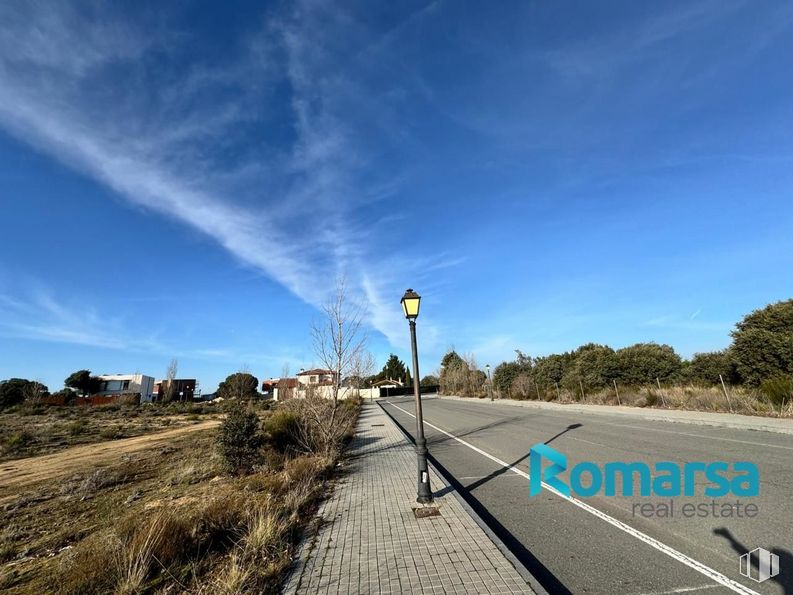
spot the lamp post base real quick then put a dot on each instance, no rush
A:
(423, 489)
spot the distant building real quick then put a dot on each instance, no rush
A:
(279, 388)
(317, 376)
(184, 389)
(114, 385)
(388, 383)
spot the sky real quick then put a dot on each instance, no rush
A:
(188, 179)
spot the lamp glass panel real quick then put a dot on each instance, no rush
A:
(411, 307)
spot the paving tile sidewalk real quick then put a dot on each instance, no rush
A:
(371, 542)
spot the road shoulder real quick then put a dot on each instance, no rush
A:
(734, 421)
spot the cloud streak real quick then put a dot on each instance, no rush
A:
(80, 86)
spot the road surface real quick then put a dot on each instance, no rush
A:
(603, 544)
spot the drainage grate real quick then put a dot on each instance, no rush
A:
(426, 511)
(377, 425)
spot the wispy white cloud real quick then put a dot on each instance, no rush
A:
(80, 86)
(40, 317)
(36, 314)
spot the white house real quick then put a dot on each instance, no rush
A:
(317, 376)
(125, 384)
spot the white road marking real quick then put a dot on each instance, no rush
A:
(682, 590)
(482, 477)
(658, 545)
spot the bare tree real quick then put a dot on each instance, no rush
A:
(339, 340)
(361, 367)
(338, 337)
(170, 377)
(284, 392)
(34, 392)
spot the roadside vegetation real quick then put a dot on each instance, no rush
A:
(29, 429)
(201, 511)
(215, 511)
(754, 375)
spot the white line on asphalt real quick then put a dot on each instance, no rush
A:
(467, 477)
(660, 546)
(683, 590)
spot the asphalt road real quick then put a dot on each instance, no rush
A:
(604, 545)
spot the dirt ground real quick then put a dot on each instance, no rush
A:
(20, 473)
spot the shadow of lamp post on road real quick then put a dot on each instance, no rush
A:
(410, 304)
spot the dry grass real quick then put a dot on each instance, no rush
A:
(237, 541)
(35, 430)
(692, 398)
(165, 520)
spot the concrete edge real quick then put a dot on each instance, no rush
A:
(736, 421)
(505, 551)
(303, 550)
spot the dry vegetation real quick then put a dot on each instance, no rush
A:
(170, 519)
(693, 398)
(30, 430)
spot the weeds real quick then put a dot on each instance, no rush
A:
(110, 432)
(77, 427)
(772, 398)
(18, 441)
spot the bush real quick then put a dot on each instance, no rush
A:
(282, 428)
(763, 343)
(77, 427)
(18, 441)
(778, 390)
(323, 426)
(240, 440)
(644, 362)
(110, 432)
(705, 368)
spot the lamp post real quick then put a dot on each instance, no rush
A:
(489, 382)
(410, 304)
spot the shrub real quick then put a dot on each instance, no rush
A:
(652, 398)
(18, 441)
(240, 440)
(282, 428)
(322, 426)
(778, 390)
(644, 362)
(110, 432)
(763, 343)
(705, 368)
(77, 427)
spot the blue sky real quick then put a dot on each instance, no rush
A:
(187, 179)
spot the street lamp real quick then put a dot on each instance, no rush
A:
(489, 382)
(410, 304)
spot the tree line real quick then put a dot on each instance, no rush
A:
(760, 355)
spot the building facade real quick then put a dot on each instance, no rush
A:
(115, 385)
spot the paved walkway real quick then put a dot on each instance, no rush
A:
(371, 541)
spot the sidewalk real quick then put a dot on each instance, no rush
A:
(371, 541)
(735, 421)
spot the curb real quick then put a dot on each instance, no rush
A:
(441, 472)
